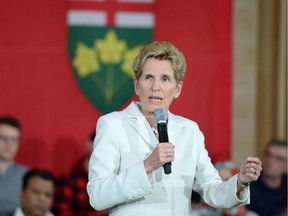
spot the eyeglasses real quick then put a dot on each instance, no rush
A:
(4, 138)
(276, 157)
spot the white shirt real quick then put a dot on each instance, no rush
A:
(19, 212)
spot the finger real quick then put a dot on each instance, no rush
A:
(165, 149)
(254, 160)
(170, 155)
(251, 168)
(253, 174)
(253, 171)
(255, 163)
(254, 167)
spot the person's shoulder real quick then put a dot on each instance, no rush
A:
(20, 168)
(49, 214)
(112, 115)
(131, 110)
(183, 121)
(13, 213)
(18, 212)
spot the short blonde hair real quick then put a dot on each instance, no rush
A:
(161, 51)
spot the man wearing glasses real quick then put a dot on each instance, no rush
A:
(10, 173)
(269, 192)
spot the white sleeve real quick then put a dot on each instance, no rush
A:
(209, 184)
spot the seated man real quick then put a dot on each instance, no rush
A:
(269, 192)
(37, 194)
(11, 173)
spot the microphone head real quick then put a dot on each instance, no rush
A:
(160, 115)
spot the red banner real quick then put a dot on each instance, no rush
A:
(38, 87)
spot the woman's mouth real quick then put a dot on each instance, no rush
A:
(155, 99)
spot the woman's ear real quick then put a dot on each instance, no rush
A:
(178, 89)
(136, 86)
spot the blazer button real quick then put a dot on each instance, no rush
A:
(166, 211)
(140, 192)
(166, 187)
(134, 194)
(129, 197)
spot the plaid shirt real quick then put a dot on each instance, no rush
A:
(71, 197)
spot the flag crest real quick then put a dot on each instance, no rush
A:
(102, 56)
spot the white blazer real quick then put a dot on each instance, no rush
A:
(117, 177)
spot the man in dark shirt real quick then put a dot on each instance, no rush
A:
(269, 192)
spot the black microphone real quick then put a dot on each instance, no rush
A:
(161, 117)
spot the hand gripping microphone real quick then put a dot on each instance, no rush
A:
(160, 117)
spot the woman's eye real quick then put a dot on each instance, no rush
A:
(148, 77)
(165, 79)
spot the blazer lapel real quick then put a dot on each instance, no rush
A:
(138, 121)
(173, 129)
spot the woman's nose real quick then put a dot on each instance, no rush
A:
(156, 85)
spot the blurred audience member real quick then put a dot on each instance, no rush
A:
(71, 195)
(11, 173)
(37, 194)
(226, 170)
(269, 192)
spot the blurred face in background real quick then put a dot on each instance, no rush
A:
(9, 142)
(37, 198)
(274, 161)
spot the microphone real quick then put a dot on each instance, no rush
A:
(161, 117)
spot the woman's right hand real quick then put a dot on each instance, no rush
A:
(163, 153)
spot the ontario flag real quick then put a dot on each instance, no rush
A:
(58, 102)
(104, 39)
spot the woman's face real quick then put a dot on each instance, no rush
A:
(157, 86)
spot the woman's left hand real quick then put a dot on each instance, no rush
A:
(250, 170)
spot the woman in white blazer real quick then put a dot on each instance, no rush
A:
(126, 167)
